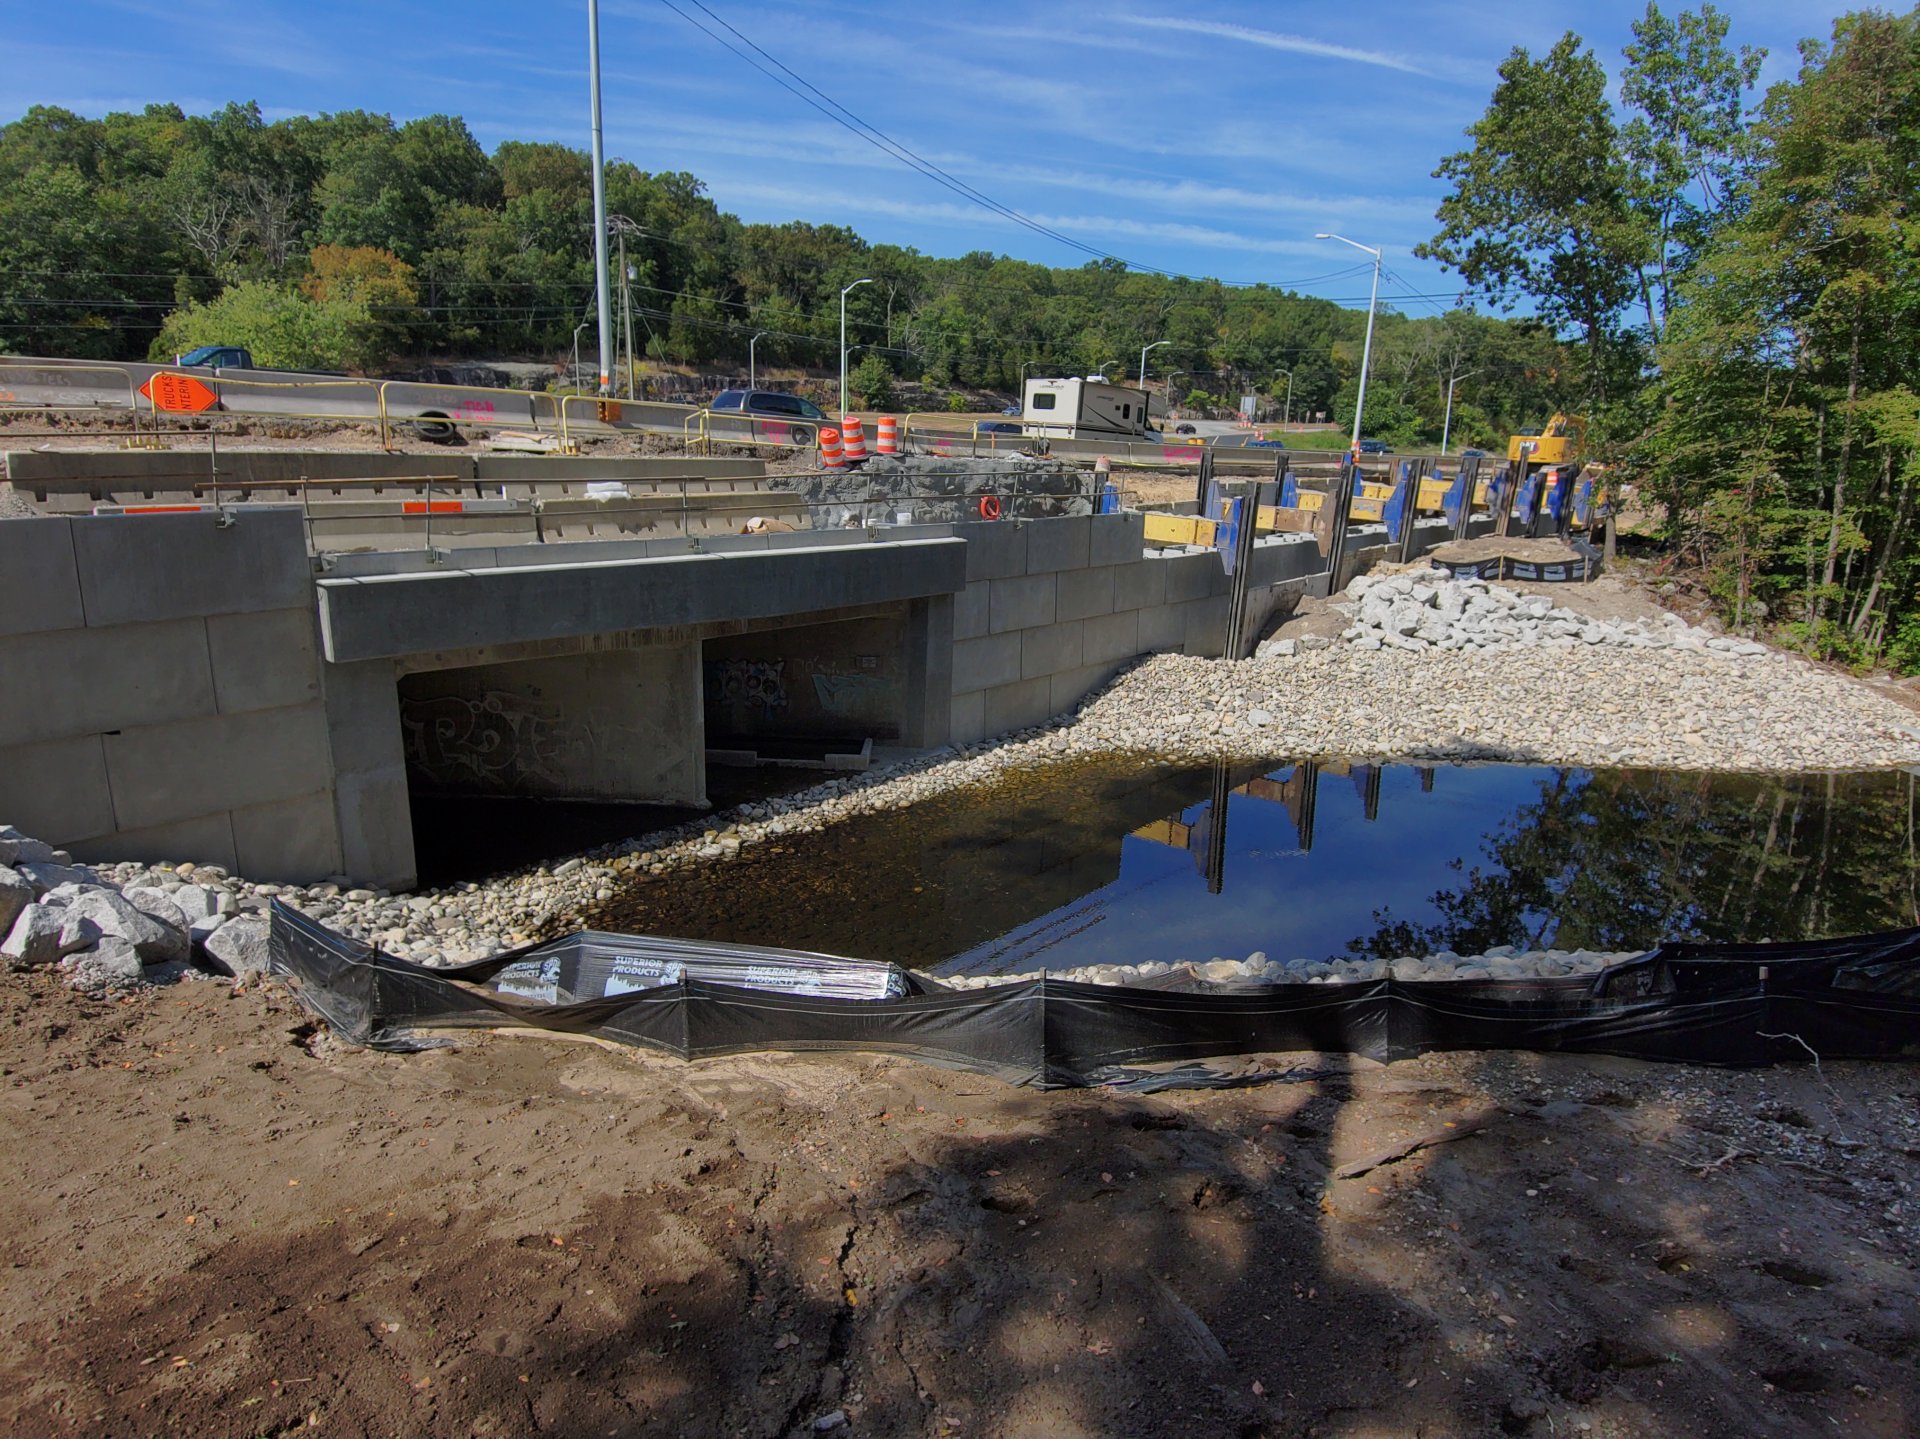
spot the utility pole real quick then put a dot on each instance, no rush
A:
(1366, 353)
(1446, 428)
(602, 301)
(626, 309)
(843, 341)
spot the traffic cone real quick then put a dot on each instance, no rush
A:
(855, 436)
(830, 455)
(886, 439)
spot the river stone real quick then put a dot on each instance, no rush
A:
(153, 941)
(239, 947)
(42, 933)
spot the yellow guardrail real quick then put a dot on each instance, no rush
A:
(705, 437)
(10, 404)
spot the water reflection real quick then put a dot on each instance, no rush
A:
(1090, 863)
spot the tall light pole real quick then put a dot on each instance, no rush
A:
(573, 375)
(1366, 353)
(1143, 359)
(1446, 428)
(750, 344)
(843, 340)
(603, 301)
(1170, 379)
(1287, 417)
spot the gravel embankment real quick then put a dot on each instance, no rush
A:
(1534, 684)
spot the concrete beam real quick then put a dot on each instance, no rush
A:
(388, 616)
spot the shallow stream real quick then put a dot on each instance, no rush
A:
(1118, 863)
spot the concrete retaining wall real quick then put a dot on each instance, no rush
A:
(1053, 608)
(162, 692)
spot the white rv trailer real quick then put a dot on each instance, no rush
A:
(1089, 409)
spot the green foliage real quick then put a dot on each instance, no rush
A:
(283, 328)
(873, 382)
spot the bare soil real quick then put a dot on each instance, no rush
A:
(221, 1222)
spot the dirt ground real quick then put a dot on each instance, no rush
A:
(222, 1222)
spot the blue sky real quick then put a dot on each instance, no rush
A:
(1213, 139)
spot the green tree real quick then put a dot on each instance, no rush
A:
(872, 380)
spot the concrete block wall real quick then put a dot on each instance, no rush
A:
(1052, 609)
(163, 693)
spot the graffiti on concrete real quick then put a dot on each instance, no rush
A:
(758, 684)
(856, 696)
(491, 741)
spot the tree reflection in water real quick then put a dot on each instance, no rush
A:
(1624, 859)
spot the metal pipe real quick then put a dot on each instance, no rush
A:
(602, 301)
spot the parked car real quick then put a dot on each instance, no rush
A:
(1473, 454)
(1375, 447)
(802, 416)
(1011, 410)
(1185, 429)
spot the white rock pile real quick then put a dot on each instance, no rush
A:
(1503, 962)
(1429, 609)
(105, 936)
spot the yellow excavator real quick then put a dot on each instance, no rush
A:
(1563, 442)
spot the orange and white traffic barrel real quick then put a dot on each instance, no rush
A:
(886, 438)
(830, 455)
(854, 434)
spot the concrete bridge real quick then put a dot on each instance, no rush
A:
(202, 685)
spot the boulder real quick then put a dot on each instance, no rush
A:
(46, 875)
(17, 848)
(196, 901)
(42, 933)
(111, 964)
(153, 941)
(158, 905)
(15, 895)
(239, 947)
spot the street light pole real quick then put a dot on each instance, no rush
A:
(603, 301)
(1446, 428)
(1366, 353)
(573, 375)
(1143, 359)
(1287, 418)
(751, 384)
(843, 340)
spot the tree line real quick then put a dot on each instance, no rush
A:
(347, 241)
(1740, 284)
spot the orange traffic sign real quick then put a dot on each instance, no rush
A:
(180, 394)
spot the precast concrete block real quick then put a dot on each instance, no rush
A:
(1021, 602)
(1163, 630)
(1283, 558)
(1081, 593)
(165, 773)
(1205, 624)
(363, 717)
(376, 828)
(69, 682)
(1116, 539)
(139, 568)
(1051, 648)
(1193, 577)
(995, 550)
(967, 718)
(981, 664)
(1140, 585)
(1072, 686)
(970, 611)
(1058, 544)
(1108, 639)
(264, 661)
(204, 839)
(1018, 706)
(39, 577)
(291, 840)
(57, 790)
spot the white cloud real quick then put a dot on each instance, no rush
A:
(1275, 40)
